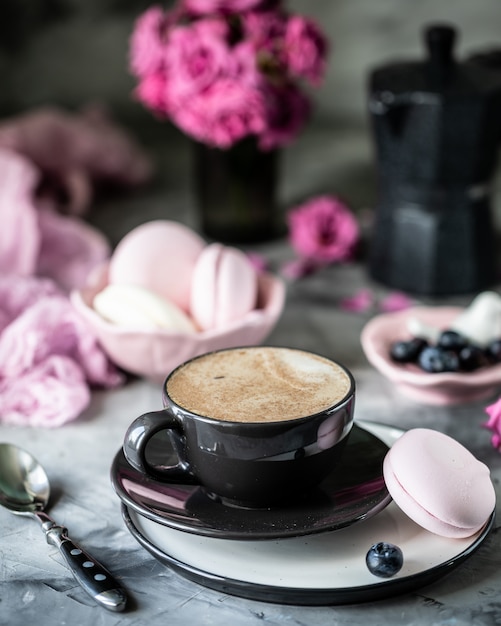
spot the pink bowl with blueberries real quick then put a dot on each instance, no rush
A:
(438, 388)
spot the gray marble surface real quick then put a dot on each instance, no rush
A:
(36, 587)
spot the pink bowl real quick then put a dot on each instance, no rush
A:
(154, 354)
(439, 389)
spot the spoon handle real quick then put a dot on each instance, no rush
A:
(95, 579)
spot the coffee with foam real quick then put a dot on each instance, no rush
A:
(258, 384)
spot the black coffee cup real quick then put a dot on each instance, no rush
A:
(254, 426)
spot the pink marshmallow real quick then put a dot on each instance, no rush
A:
(159, 256)
(439, 484)
(224, 287)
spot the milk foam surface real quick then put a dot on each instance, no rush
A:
(258, 384)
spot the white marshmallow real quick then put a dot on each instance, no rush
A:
(136, 307)
(481, 321)
(417, 328)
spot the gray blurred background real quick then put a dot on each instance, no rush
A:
(71, 52)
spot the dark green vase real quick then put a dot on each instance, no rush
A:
(236, 191)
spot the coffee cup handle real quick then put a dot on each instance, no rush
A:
(136, 439)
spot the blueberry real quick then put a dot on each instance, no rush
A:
(384, 559)
(452, 340)
(434, 359)
(494, 351)
(471, 358)
(407, 351)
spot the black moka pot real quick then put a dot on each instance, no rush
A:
(437, 129)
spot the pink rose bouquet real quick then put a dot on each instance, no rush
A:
(223, 70)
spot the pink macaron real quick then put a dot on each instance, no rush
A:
(439, 484)
(224, 287)
(159, 256)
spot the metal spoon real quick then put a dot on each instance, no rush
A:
(25, 490)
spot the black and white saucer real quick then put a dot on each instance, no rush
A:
(353, 492)
(308, 568)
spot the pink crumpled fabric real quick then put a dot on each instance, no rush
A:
(49, 395)
(49, 357)
(69, 249)
(76, 152)
(34, 238)
(19, 234)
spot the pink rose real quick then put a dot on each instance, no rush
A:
(395, 301)
(288, 110)
(494, 423)
(152, 92)
(305, 49)
(243, 67)
(196, 58)
(365, 299)
(223, 114)
(323, 230)
(298, 268)
(265, 29)
(258, 261)
(146, 52)
(215, 26)
(201, 7)
(360, 302)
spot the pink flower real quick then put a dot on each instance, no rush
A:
(202, 7)
(258, 261)
(360, 302)
(288, 110)
(223, 114)
(152, 92)
(323, 230)
(243, 66)
(198, 64)
(196, 59)
(305, 49)
(395, 302)
(265, 30)
(298, 268)
(146, 54)
(494, 423)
